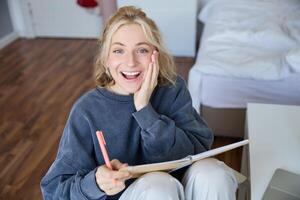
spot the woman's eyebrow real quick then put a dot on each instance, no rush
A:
(138, 44)
(142, 43)
(118, 43)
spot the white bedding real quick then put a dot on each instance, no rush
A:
(254, 39)
(224, 92)
(229, 92)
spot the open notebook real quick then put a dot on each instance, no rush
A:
(170, 166)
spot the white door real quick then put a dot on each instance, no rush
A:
(63, 18)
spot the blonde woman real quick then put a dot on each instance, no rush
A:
(146, 114)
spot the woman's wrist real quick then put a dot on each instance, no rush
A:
(140, 107)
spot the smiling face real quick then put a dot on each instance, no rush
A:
(128, 59)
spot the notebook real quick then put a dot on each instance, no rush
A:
(170, 166)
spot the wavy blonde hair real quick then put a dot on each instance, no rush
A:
(132, 15)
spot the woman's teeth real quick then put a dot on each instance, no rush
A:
(130, 75)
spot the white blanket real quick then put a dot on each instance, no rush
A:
(257, 39)
(293, 58)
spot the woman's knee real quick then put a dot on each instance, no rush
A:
(211, 173)
(159, 185)
(159, 181)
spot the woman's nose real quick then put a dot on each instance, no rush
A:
(131, 60)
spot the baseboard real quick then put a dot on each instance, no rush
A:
(8, 39)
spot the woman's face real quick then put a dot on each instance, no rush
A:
(129, 58)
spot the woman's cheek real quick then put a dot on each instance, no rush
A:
(113, 63)
(145, 60)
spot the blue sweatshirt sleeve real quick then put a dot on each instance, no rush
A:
(72, 174)
(176, 133)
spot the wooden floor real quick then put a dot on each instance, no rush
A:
(39, 81)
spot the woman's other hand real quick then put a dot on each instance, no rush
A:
(142, 96)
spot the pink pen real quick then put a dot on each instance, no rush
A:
(102, 144)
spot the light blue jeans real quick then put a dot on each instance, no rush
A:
(207, 179)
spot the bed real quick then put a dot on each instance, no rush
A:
(249, 52)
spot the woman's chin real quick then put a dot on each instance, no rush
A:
(132, 90)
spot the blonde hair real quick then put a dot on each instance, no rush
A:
(132, 15)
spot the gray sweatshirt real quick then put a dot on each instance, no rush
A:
(168, 128)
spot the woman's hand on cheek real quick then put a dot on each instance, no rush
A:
(142, 96)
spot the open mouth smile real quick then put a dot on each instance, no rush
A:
(130, 75)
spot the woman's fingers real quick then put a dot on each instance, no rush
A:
(115, 190)
(112, 181)
(142, 96)
(110, 185)
(155, 70)
(116, 164)
(116, 175)
(147, 79)
(105, 175)
(151, 75)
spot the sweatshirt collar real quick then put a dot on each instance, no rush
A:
(114, 96)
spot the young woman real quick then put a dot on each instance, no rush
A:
(145, 112)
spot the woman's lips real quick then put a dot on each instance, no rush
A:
(131, 75)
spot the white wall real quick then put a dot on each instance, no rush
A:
(177, 20)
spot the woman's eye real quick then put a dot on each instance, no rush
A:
(118, 51)
(143, 51)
